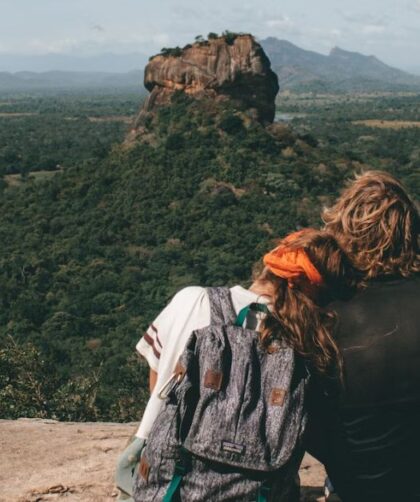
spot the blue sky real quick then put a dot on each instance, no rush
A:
(389, 29)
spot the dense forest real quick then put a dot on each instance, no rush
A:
(92, 252)
(39, 133)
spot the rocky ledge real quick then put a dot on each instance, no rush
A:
(45, 460)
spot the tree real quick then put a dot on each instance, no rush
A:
(230, 36)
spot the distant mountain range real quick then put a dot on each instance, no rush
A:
(57, 72)
(27, 81)
(341, 70)
(104, 62)
(297, 69)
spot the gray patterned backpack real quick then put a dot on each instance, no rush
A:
(232, 425)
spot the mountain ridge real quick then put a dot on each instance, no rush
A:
(104, 61)
(297, 69)
(67, 80)
(340, 70)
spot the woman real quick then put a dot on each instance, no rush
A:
(300, 275)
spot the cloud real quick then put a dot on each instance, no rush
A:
(416, 5)
(353, 18)
(161, 39)
(367, 24)
(282, 22)
(37, 46)
(118, 44)
(365, 18)
(98, 28)
(321, 39)
(183, 13)
(373, 29)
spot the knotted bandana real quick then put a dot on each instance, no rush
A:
(290, 263)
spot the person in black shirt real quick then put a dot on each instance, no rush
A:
(366, 427)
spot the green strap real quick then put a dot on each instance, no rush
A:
(181, 468)
(173, 487)
(263, 493)
(256, 307)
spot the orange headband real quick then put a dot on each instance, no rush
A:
(291, 263)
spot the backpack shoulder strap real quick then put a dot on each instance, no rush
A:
(221, 306)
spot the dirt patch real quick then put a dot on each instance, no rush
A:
(45, 460)
(16, 114)
(14, 180)
(112, 118)
(388, 124)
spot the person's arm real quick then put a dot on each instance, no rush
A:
(152, 380)
(167, 334)
(319, 410)
(164, 341)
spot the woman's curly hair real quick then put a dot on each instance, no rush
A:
(377, 224)
(298, 319)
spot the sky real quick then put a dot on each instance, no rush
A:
(388, 29)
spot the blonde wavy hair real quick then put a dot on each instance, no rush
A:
(377, 225)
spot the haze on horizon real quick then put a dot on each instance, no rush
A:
(80, 28)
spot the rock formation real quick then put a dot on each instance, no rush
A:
(222, 68)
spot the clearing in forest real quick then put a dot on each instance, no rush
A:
(388, 124)
(9, 115)
(112, 118)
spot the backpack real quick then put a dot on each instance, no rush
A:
(232, 424)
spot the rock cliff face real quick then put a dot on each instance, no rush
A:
(237, 70)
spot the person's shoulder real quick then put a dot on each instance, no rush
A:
(190, 305)
(189, 293)
(381, 288)
(379, 303)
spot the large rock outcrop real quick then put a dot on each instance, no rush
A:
(235, 69)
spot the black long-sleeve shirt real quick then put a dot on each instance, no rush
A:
(368, 434)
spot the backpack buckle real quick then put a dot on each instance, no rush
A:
(183, 463)
(180, 469)
(174, 380)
